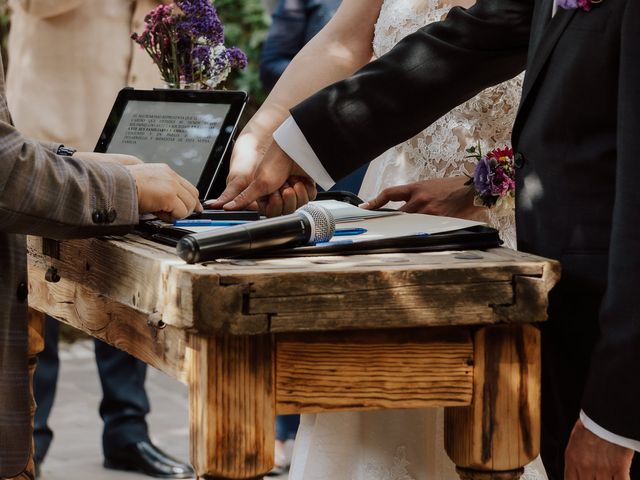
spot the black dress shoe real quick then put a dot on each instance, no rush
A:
(146, 458)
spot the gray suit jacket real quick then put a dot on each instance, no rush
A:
(44, 194)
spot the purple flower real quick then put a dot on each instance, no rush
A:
(482, 177)
(186, 41)
(573, 4)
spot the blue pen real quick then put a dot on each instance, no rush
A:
(344, 232)
(208, 223)
(334, 242)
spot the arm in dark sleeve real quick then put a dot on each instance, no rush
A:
(285, 39)
(612, 392)
(423, 77)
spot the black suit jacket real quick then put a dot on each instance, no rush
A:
(578, 130)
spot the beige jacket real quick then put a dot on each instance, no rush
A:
(67, 61)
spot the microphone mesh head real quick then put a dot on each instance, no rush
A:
(324, 222)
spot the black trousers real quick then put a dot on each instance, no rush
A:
(124, 399)
(568, 338)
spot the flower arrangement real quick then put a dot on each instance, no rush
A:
(494, 178)
(573, 4)
(186, 41)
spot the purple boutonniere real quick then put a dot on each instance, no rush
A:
(573, 4)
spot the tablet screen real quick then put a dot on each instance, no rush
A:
(180, 134)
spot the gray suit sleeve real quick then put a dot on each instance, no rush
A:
(44, 194)
(427, 74)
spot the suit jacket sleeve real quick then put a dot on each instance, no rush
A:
(44, 194)
(611, 395)
(423, 77)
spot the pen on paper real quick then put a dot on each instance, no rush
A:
(345, 232)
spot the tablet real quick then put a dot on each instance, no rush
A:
(190, 130)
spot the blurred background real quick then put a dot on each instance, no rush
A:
(246, 23)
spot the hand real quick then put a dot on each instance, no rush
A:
(448, 197)
(120, 159)
(163, 192)
(279, 184)
(246, 156)
(589, 457)
(293, 194)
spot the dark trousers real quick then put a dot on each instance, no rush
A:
(568, 338)
(287, 427)
(124, 400)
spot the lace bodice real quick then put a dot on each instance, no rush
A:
(439, 151)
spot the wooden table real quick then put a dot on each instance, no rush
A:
(256, 338)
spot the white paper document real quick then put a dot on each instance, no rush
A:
(345, 212)
(402, 225)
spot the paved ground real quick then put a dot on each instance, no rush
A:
(76, 452)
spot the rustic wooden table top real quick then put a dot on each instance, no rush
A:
(301, 294)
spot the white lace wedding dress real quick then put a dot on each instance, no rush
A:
(408, 444)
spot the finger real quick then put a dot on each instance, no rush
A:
(262, 205)
(188, 186)
(409, 208)
(230, 192)
(274, 205)
(302, 195)
(392, 194)
(187, 200)
(256, 189)
(289, 201)
(177, 209)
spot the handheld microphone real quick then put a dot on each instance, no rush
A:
(309, 224)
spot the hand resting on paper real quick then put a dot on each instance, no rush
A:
(448, 197)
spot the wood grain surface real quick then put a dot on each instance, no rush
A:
(373, 370)
(500, 430)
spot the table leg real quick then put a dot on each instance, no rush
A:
(499, 433)
(36, 345)
(232, 406)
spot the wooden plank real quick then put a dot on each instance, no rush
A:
(128, 329)
(232, 407)
(500, 430)
(393, 297)
(382, 318)
(373, 370)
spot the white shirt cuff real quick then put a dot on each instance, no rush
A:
(596, 429)
(291, 139)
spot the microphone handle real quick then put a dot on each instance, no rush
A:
(286, 231)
